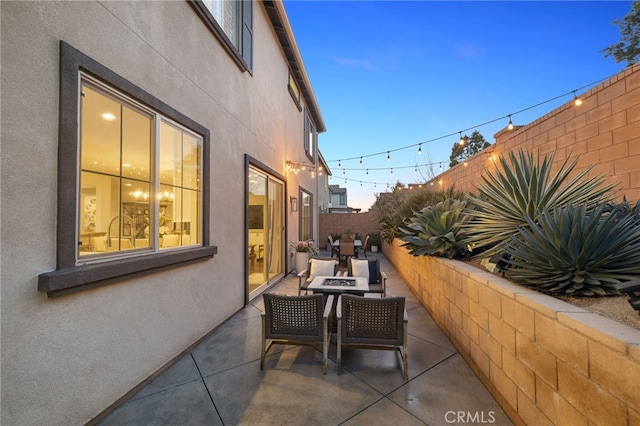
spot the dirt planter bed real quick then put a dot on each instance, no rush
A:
(544, 360)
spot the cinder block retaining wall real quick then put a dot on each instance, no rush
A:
(545, 361)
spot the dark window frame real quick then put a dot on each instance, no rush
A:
(71, 275)
(310, 128)
(301, 192)
(294, 91)
(243, 56)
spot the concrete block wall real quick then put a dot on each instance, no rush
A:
(336, 223)
(604, 131)
(544, 360)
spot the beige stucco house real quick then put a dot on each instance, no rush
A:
(146, 193)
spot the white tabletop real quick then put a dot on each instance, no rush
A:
(356, 243)
(361, 284)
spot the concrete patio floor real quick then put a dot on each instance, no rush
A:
(219, 382)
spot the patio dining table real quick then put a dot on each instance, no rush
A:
(356, 243)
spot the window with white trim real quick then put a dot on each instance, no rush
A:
(140, 177)
(128, 165)
(310, 137)
(231, 21)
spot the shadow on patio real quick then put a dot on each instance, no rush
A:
(220, 382)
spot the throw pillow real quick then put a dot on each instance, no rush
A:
(322, 268)
(360, 268)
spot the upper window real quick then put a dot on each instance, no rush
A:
(231, 21)
(310, 137)
(128, 199)
(294, 91)
(132, 181)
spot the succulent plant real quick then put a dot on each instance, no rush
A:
(435, 230)
(576, 250)
(515, 196)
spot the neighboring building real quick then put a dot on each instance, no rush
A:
(338, 200)
(145, 193)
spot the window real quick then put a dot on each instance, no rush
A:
(133, 185)
(231, 21)
(310, 137)
(294, 91)
(123, 206)
(306, 224)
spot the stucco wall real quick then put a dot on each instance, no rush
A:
(544, 360)
(604, 131)
(65, 360)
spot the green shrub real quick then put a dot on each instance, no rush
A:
(397, 206)
(515, 196)
(577, 250)
(435, 230)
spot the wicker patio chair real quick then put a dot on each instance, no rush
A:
(362, 250)
(369, 268)
(372, 323)
(296, 320)
(317, 267)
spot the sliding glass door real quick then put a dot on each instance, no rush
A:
(265, 230)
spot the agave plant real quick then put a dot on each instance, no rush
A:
(576, 250)
(515, 197)
(435, 231)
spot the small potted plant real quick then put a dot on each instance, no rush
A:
(303, 251)
(374, 241)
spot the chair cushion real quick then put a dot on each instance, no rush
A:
(322, 268)
(369, 268)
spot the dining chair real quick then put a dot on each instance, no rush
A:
(317, 267)
(369, 268)
(347, 249)
(334, 249)
(363, 248)
(296, 320)
(371, 323)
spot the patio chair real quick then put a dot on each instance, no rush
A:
(334, 249)
(347, 249)
(317, 267)
(362, 250)
(371, 323)
(295, 320)
(369, 268)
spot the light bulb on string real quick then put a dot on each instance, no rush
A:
(576, 100)
(339, 166)
(420, 149)
(392, 170)
(388, 156)
(367, 171)
(510, 126)
(361, 161)
(461, 139)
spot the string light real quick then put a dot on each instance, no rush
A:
(510, 126)
(577, 101)
(361, 161)
(461, 139)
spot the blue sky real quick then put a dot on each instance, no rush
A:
(392, 74)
